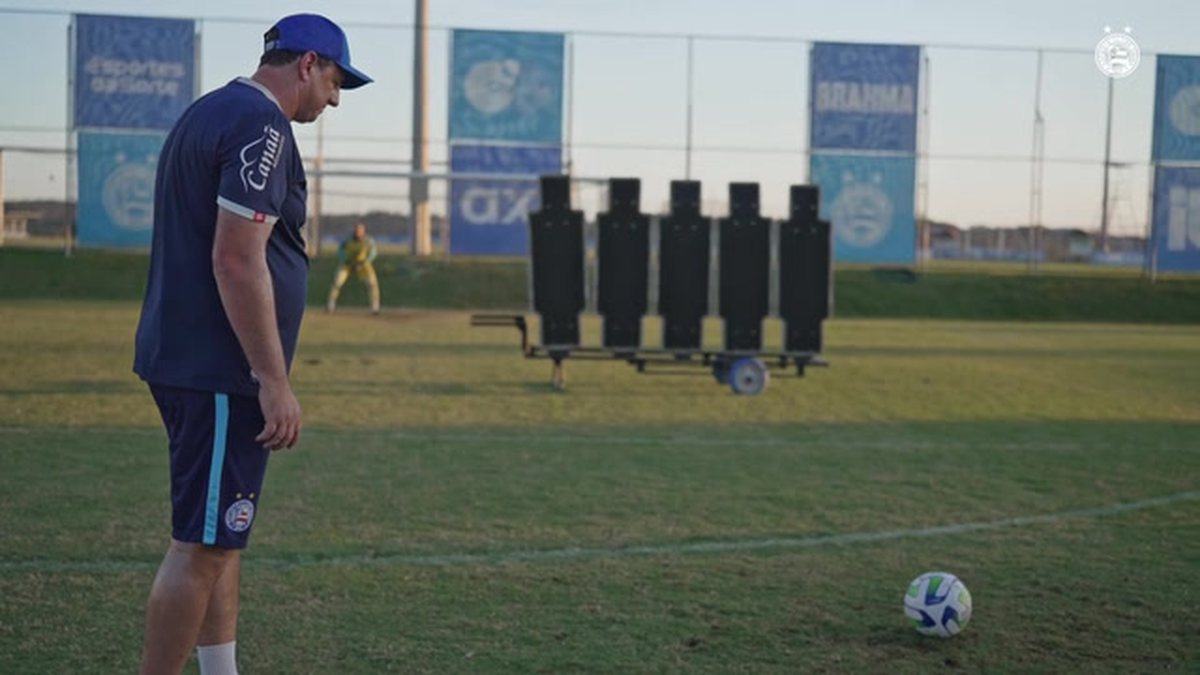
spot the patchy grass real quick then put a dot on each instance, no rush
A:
(447, 511)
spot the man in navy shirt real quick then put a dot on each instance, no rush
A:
(227, 284)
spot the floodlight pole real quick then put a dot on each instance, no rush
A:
(1107, 165)
(1036, 172)
(418, 187)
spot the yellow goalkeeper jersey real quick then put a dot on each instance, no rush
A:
(357, 251)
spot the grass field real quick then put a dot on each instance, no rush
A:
(448, 512)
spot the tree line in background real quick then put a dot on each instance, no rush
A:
(46, 219)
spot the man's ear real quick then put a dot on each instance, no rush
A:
(306, 64)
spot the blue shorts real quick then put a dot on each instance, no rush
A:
(217, 467)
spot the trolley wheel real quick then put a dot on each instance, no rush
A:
(558, 377)
(748, 376)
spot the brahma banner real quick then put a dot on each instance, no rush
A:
(864, 97)
(863, 102)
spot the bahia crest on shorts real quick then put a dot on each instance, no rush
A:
(217, 467)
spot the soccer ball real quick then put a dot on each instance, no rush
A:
(938, 604)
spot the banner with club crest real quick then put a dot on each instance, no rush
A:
(863, 104)
(506, 116)
(133, 78)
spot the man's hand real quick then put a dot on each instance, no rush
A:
(281, 411)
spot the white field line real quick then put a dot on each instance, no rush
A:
(574, 554)
(815, 441)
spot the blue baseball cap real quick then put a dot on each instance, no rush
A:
(315, 33)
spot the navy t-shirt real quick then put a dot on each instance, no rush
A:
(232, 149)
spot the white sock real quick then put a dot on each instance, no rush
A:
(218, 659)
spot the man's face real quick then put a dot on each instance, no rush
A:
(360, 231)
(321, 86)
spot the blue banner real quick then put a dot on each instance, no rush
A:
(1177, 109)
(1176, 226)
(116, 188)
(507, 86)
(864, 97)
(491, 217)
(869, 201)
(132, 72)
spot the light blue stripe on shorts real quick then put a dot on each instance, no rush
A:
(220, 432)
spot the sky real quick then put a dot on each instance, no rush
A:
(629, 93)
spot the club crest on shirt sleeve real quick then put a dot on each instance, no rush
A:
(260, 157)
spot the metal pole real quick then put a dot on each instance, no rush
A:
(808, 111)
(925, 234)
(318, 189)
(69, 214)
(1036, 170)
(687, 171)
(418, 190)
(569, 87)
(1, 196)
(1107, 164)
(1149, 247)
(570, 104)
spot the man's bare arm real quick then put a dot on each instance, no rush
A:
(239, 259)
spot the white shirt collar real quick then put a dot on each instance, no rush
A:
(262, 88)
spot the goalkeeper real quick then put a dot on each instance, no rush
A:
(355, 255)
